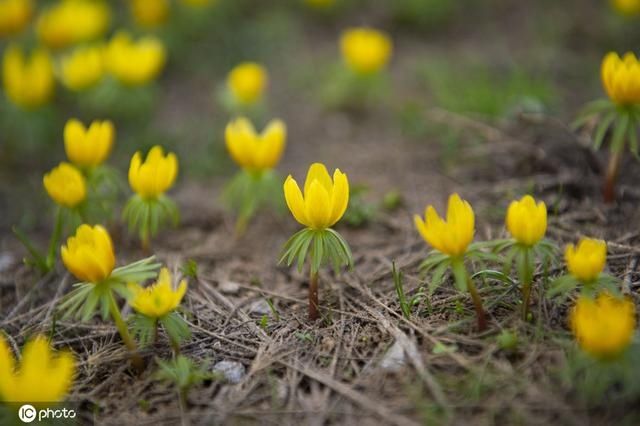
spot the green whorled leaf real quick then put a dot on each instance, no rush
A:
(144, 329)
(494, 275)
(317, 252)
(601, 129)
(73, 301)
(619, 132)
(592, 108)
(346, 250)
(136, 272)
(561, 286)
(176, 327)
(633, 135)
(509, 259)
(321, 246)
(525, 264)
(433, 259)
(460, 275)
(495, 246)
(437, 277)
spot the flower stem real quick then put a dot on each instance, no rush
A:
(241, 226)
(526, 279)
(477, 304)
(313, 296)
(55, 238)
(609, 190)
(124, 333)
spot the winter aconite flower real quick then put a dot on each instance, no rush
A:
(14, 15)
(627, 7)
(621, 78)
(39, 376)
(65, 185)
(89, 254)
(365, 50)
(247, 82)
(527, 220)
(28, 80)
(68, 22)
(149, 13)
(155, 175)
(603, 326)
(586, 261)
(453, 235)
(252, 150)
(83, 68)
(88, 147)
(134, 63)
(159, 299)
(324, 200)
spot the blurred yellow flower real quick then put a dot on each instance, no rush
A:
(603, 326)
(14, 15)
(88, 147)
(82, 68)
(452, 236)
(365, 50)
(526, 220)
(253, 151)
(324, 201)
(28, 81)
(65, 185)
(320, 4)
(42, 376)
(156, 175)
(586, 261)
(89, 254)
(247, 82)
(159, 299)
(149, 13)
(621, 78)
(134, 62)
(627, 7)
(69, 22)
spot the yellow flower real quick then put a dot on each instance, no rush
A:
(247, 82)
(83, 68)
(365, 50)
(254, 151)
(156, 175)
(586, 261)
(452, 236)
(621, 78)
(603, 326)
(134, 62)
(14, 15)
(88, 147)
(627, 7)
(320, 4)
(28, 81)
(73, 21)
(149, 13)
(160, 299)
(42, 375)
(526, 220)
(324, 201)
(89, 254)
(65, 185)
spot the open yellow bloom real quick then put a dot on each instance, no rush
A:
(88, 147)
(586, 262)
(324, 201)
(73, 21)
(89, 254)
(82, 68)
(160, 299)
(253, 151)
(14, 15)
(149, 13)
(65, 185)
(134, 62)
(28, 81)
(156, 175)
(365, 50)
(603, 326)
(247, 82)
(42, 375)
(621, 78)
(627, 7)
(526, 220)
(452, 236)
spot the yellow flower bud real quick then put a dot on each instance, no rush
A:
(365, 50)
(88, 147)
(40, 376)
(65, 185)
(603, 326)
(621, 78)
(83, 68)
(134, 62)
(254, 151)
(149, 13)
(73, 21)
(452, 236)
(526, 220)
(156, 175)
(324, 201)
(89, 254)
(14, 15)
(159, 299)
(28, 81)
(586, 262)
(247, 82)
(627, 7)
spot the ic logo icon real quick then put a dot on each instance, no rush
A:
(27, 413)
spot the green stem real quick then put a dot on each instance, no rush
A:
(241, 226)
(313, 296)
(477, 304)
(527, 279)
(55, 238)
(136, 360)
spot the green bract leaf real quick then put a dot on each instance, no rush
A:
(322, 246)
(562, 286)
(602, 127)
